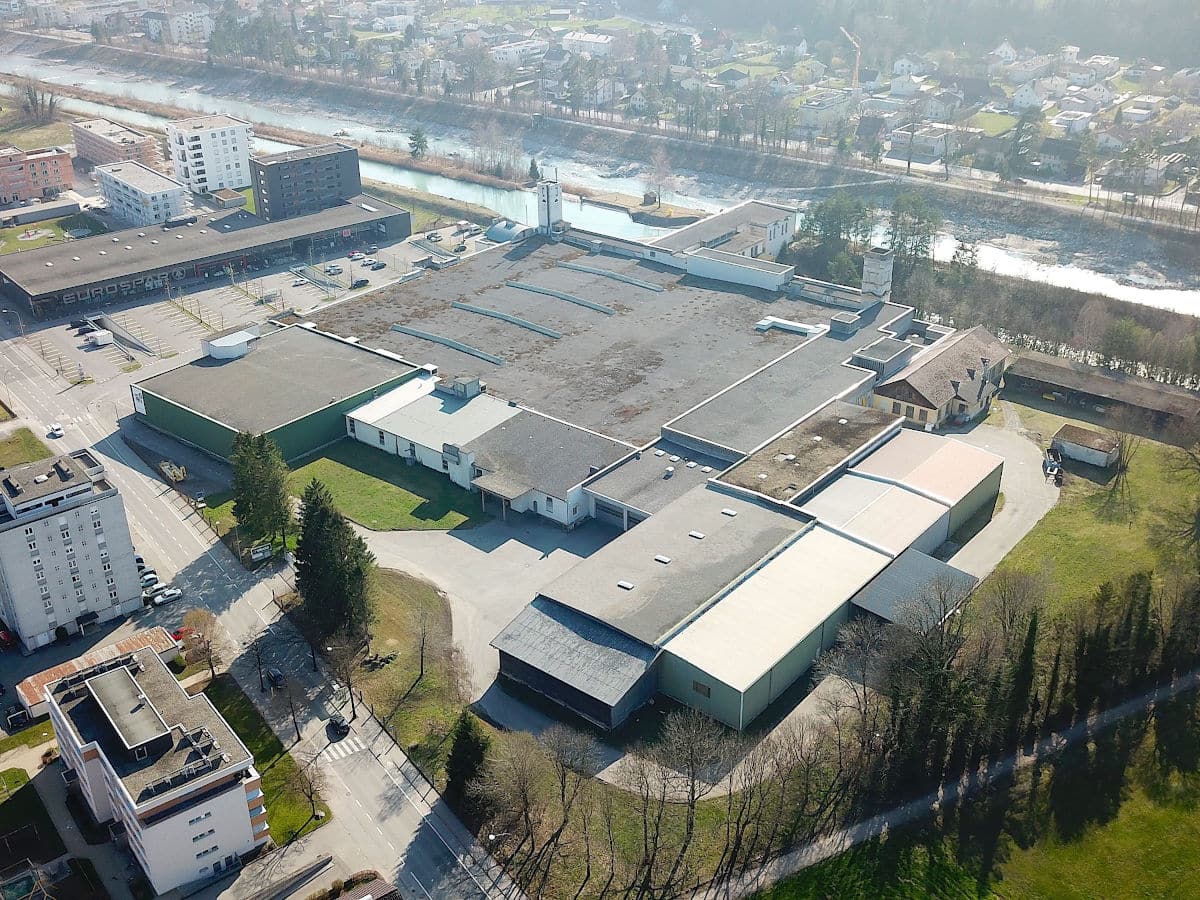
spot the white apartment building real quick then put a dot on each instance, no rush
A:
(162, 768)
(587, 42)
(101, 142)
(210, 152)
(188, 24)
(516, 53)
(140, 196)
(66, 558)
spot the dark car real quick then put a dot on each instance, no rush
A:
(379, 264)
(338, 725)
(275, 677)
(359, 283)
(80, 323)
(374, 248)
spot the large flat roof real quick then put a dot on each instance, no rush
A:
(660, 354)
(288, 374)
(811, 449)
(196, 741)
(762, 405)
(299, 153)
(133, 251)
(939, 467)
(740, 637)
(131, 712)
(29, 481)
(886, 516)
(753, 213)
(665, 594)
(581, 652)
(139, 176)
(642, 481)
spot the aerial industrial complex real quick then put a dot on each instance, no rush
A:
(762, 442)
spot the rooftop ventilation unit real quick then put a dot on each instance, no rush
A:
(625, 585)
(660, 452)
(661, 558)
(706, 468)
(40, 479)
(668, 472)
(698, 535)
(692, 464)
(674, 459)
(729, 512)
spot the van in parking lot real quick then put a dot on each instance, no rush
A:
(333, 269)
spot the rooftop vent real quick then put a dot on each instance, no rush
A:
(816, 439)
(154, 240)
(625, 585)
(729, 512)
(692, 464)
(40, 479)
(762, 476)
(706, 468)
(76, 258)
(102, 253)
(660, 452)
(841, 421)
(116, 240)
(668, 472)
(661, 558)
(141, 234)
(698, 535)
(674, 459)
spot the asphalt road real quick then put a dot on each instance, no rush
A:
(382, 819)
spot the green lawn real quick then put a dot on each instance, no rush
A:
(287, 809)
(384, 493)
(55, 231)
(22, 446)
(23, 817)
(993, 124)
(1076, 540)
(24, 135)
(40, 732)
(419, 712)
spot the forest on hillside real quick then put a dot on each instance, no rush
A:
(1165, 31)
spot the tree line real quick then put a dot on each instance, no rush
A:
(955, 685)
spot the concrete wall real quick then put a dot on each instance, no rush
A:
(737, 273)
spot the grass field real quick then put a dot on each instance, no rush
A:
(10, 241)
(1092, 535)
(20, 806)
(419, 711)
(39, 732)
(287, 809)
(22, 446)
(429, 211)
(384, 493)
(24, 135)
(993, 124)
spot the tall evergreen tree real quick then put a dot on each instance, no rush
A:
(468, 753)
(316, 574)
(274, 498)
(247, 498)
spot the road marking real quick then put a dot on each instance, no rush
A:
(421, 886)
(342, 749)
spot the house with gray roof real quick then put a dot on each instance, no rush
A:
(952, 381)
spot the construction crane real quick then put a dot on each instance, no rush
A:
(854, 89)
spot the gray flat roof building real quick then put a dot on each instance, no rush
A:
(814, 448)
(657, 575)
(287, 375)
(911, 575)
(641, 480)
(720, 229)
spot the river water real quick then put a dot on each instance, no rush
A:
(1126, 266)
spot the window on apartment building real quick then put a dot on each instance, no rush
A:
(895, 408)
(207, 815)
(140, 752)
(908, 411)
(549, 504)
(923, 415)
(381, 439)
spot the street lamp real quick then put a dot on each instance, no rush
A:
(492, 837)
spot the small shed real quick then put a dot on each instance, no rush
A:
(226, 198)
(1086, 446)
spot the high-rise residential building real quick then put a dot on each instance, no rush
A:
(141, 196)
(34, 174)
(296, 182)
(66, 557)
(189, 24)
(210, 152)
(102, 142)
(162, 768)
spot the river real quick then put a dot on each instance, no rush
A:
(1123, 265)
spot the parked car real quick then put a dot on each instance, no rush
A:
(80, 323)
(434, 236)
(275, 676)
(153, 591)
(300, 282)
(460, 248)
(56, 429)
(181, 632)
(359, 283)
(356, 255)
(140, 561)
(333, 270)
(170, 595)
(149, 578)
(368, 261)
(377, 265)
(374, 248)
(474, 230)
(338, 725)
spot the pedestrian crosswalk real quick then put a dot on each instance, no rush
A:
(343, 748)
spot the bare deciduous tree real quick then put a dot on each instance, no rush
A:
(310, 781)
(1004, 604)
(204, 642)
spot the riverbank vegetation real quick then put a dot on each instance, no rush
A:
(1131, 337)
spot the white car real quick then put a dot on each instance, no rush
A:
(56, 429)
(368, 261)
(299, 282)
(170, 595)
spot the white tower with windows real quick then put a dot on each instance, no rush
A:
(550, 209)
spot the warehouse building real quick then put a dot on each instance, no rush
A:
(144, 260)
(295, 385)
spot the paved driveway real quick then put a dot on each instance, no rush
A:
(1027, 495)
(488, 573)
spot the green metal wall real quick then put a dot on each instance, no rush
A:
(675, 677)
(188, 426)
(295, 439)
